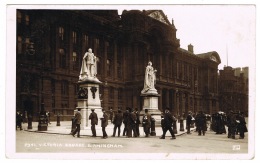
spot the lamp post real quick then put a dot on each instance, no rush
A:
(43, 121)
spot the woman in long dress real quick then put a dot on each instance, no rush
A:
(150, 78)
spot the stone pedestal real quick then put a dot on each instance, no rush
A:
(150, 102)
(89, 98)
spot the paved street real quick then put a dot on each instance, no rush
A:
(35, 142)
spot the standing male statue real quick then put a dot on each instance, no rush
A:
(88, 68)
(149, 79)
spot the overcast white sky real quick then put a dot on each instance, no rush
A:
(226, 29)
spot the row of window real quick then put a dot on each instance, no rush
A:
(23, 18)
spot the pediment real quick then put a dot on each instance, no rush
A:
(158, 15)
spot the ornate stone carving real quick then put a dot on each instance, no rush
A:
(93, 90)
(82, 93)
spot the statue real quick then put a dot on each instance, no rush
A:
(88, 67)
(149, 80)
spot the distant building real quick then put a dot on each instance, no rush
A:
(48, 70)
(233, 89)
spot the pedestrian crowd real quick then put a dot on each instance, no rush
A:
(131, 120)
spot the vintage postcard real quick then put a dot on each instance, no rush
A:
(120, 82)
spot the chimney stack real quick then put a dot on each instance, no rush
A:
(190, 48)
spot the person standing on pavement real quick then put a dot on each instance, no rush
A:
(201, 123)
(188, 122)
(125, 121)
(118, 119)
(77, 121)
(104, 123)
(242, 125)
(19, 120)
(111, 115)
(231, 124)
(94, 121)
(132, 124)
(48, 115)
(146, 122)
(137, 121)
(168, 120)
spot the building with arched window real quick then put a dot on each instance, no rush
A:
(123, 45)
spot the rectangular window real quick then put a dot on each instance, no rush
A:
(74, 57)
(120, 94)
(62, 58)
(64, 88)
(61, 33)
(109, 67)
(27, 19)
(74, 37)
(119, 71)
(19, 17)
(86, 40)
(19, 45)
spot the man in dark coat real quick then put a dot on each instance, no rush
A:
(146, 123)
(201, 123)
(19, 120)
(167, 124)
(94, 121)
(231, 124)
(188, 122)
(104, 123)
(118, 119)
(125, 120)
(132, 124)
(77, 121)
(137, 121)
(242, 125)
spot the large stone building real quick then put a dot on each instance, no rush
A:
(51, 44)
(233, 89)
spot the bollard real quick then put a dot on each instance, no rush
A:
(73, 125)
(58, 120)
(175, 127)
(153, 133)
(181, 125)
(29, 122)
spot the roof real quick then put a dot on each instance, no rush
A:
(213, 55)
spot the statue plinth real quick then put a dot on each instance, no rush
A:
(89, 80)
(89, 98)
(150, 102)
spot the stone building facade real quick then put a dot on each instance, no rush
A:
(123, 44)
(233, 89)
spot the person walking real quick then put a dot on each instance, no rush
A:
(188, 122)
(104, 123)
(167, 124)
(146, 123)
(77, 121)
(94, 121)
(118, 119)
